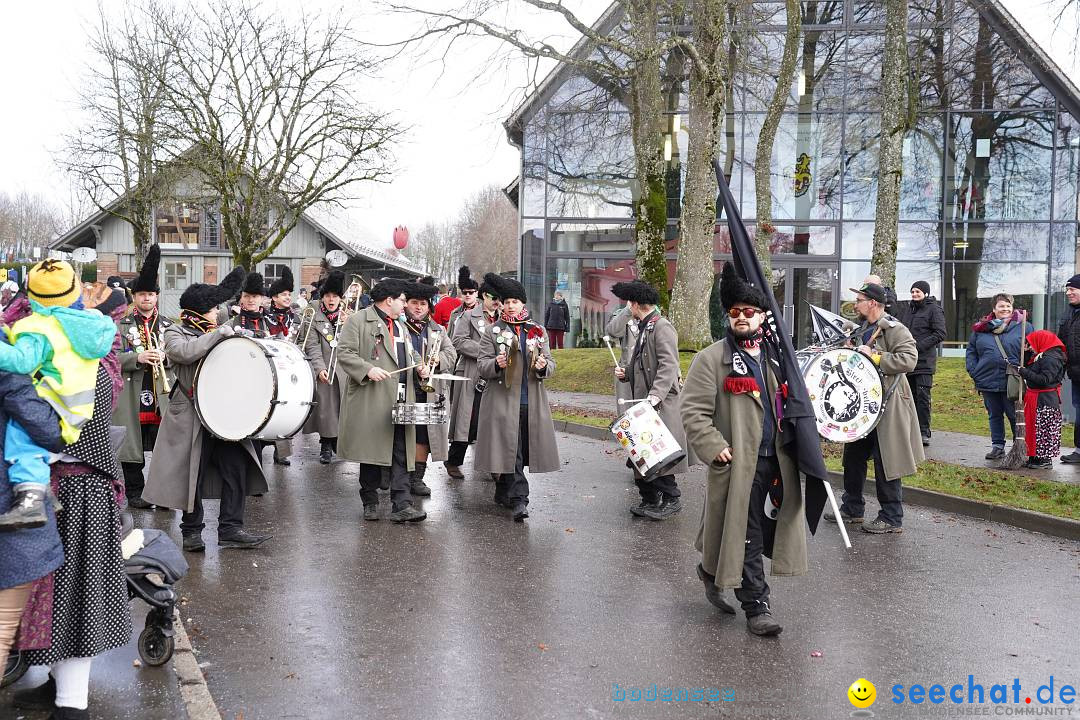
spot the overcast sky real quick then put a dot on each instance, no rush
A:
(456, 144)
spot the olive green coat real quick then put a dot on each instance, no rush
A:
(465, 333)
(714, 420)
(174, 466)
(126, 413)
(438, 442)
(366, 433)
(623, 336)
(500, 412)
(656, 372)
(317, 349)
(898, 430)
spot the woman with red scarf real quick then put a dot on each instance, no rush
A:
(1042, 399)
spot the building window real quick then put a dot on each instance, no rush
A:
(211, 235)
(272, 272)
(176, 275)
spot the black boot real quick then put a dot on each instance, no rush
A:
(418, 486)
(27, 508)
(325, 451)
(69, 713)
(42, 697)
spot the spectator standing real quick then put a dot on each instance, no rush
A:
(1042, 400)
(994, 345)
(925, 319)
(1069, 333)
(557, 320)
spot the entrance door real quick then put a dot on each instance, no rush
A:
(795, 285)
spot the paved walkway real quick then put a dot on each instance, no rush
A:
(950, 447)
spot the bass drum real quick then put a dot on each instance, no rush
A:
(253, 388)
(846, 392)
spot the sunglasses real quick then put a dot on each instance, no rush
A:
(747, 312)
(468, 292)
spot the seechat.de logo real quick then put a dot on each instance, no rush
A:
(862, 693)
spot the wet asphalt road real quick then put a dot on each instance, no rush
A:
(470, 615)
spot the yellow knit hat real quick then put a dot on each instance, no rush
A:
(52, 283)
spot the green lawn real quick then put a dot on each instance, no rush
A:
(956, 405)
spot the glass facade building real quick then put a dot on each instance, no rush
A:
(989, 190)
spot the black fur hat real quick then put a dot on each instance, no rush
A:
(506, 288)
(285, 282)
(202, 298)
(637, 291)
(147, 279)
(253, 284)
(421, 291)
(464, 279)
(734, 290)
(334, 283)
(391, 287)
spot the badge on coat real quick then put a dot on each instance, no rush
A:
(738, 365)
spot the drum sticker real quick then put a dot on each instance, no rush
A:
(646, 437)
(644, 452)
(624, 424)
(640, 462)
(658, 447)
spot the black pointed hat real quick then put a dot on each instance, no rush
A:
(253, 284)
(202, 298)
(283, 283)
(391, 287)
(421, 291)
(506, 288)
(147, 279)
(734, 290)
(637, 291)
(334, 283)
(464, 279)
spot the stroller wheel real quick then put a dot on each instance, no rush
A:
(154, 647)
(14, 669)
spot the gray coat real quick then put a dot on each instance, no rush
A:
(465, 333)
(324, 416)
(619, 328)
(500, 411)
(174, 466)
(898, 430)
(438, 443)
(366, 431)
(126, 413)
(714, 420)
(656, 372)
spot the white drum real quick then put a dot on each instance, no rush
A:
(253, 388)
(846, 392)
(651, 446)
(420, 414)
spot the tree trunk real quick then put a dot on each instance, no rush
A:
(767, 139)
(895, 121)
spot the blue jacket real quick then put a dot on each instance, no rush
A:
(984, 362)
(27, 555)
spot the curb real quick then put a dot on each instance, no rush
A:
(1015, 517)
(196, 695)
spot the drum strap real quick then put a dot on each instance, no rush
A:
(888, 394)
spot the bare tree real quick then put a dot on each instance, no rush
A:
(274, 112)
(120, 156)
(488, 228)
(437, 248)
(27, 221)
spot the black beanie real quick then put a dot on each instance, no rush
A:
(1074, 282)
(923, 285)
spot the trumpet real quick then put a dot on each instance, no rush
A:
(431, 361)
(303, 328)
(151, 342)
(350, 303)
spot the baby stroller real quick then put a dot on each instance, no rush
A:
(152, 563)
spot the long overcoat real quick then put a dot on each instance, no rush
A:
(655, 371)
(126, 413)
(366, 433)
(317, 349)
(714, 420)
(621, 326)
(174, 465)
(465, 333)
(500, 410)
(898, 431)
(438, 442)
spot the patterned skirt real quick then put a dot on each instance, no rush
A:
(1047, 432)
(90, 611)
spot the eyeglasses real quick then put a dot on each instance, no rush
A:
(746, 312)
(468, 292)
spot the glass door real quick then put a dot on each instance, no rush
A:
(795, 285)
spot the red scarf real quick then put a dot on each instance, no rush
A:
(517, 319)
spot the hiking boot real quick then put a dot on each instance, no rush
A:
(848, 519)
(454, 471)
(417, 485)
(194, 543)
(371, 512)
(27, 508)
(645, 507)
(712, 593)
(1037, 463)
(1072, 458)
(138, 503)
(241, 539)
(407, 514)
(764, 625)
(42, 697)
(667, 508)
(995, 453)
(521, 511)
(877, 526)
(325, 451)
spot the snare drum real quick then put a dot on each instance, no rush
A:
(651, 446)
(254, 388)
(420, 414)
(845, 390)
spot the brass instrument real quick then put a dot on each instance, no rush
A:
(152, 342)
(350, 303)
(303, 328)
(432, 359)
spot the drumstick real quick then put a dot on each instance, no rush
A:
(607, 341)
(395, 372)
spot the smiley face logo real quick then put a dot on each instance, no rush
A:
(862, 693)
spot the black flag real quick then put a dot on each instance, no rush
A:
(798, 430)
